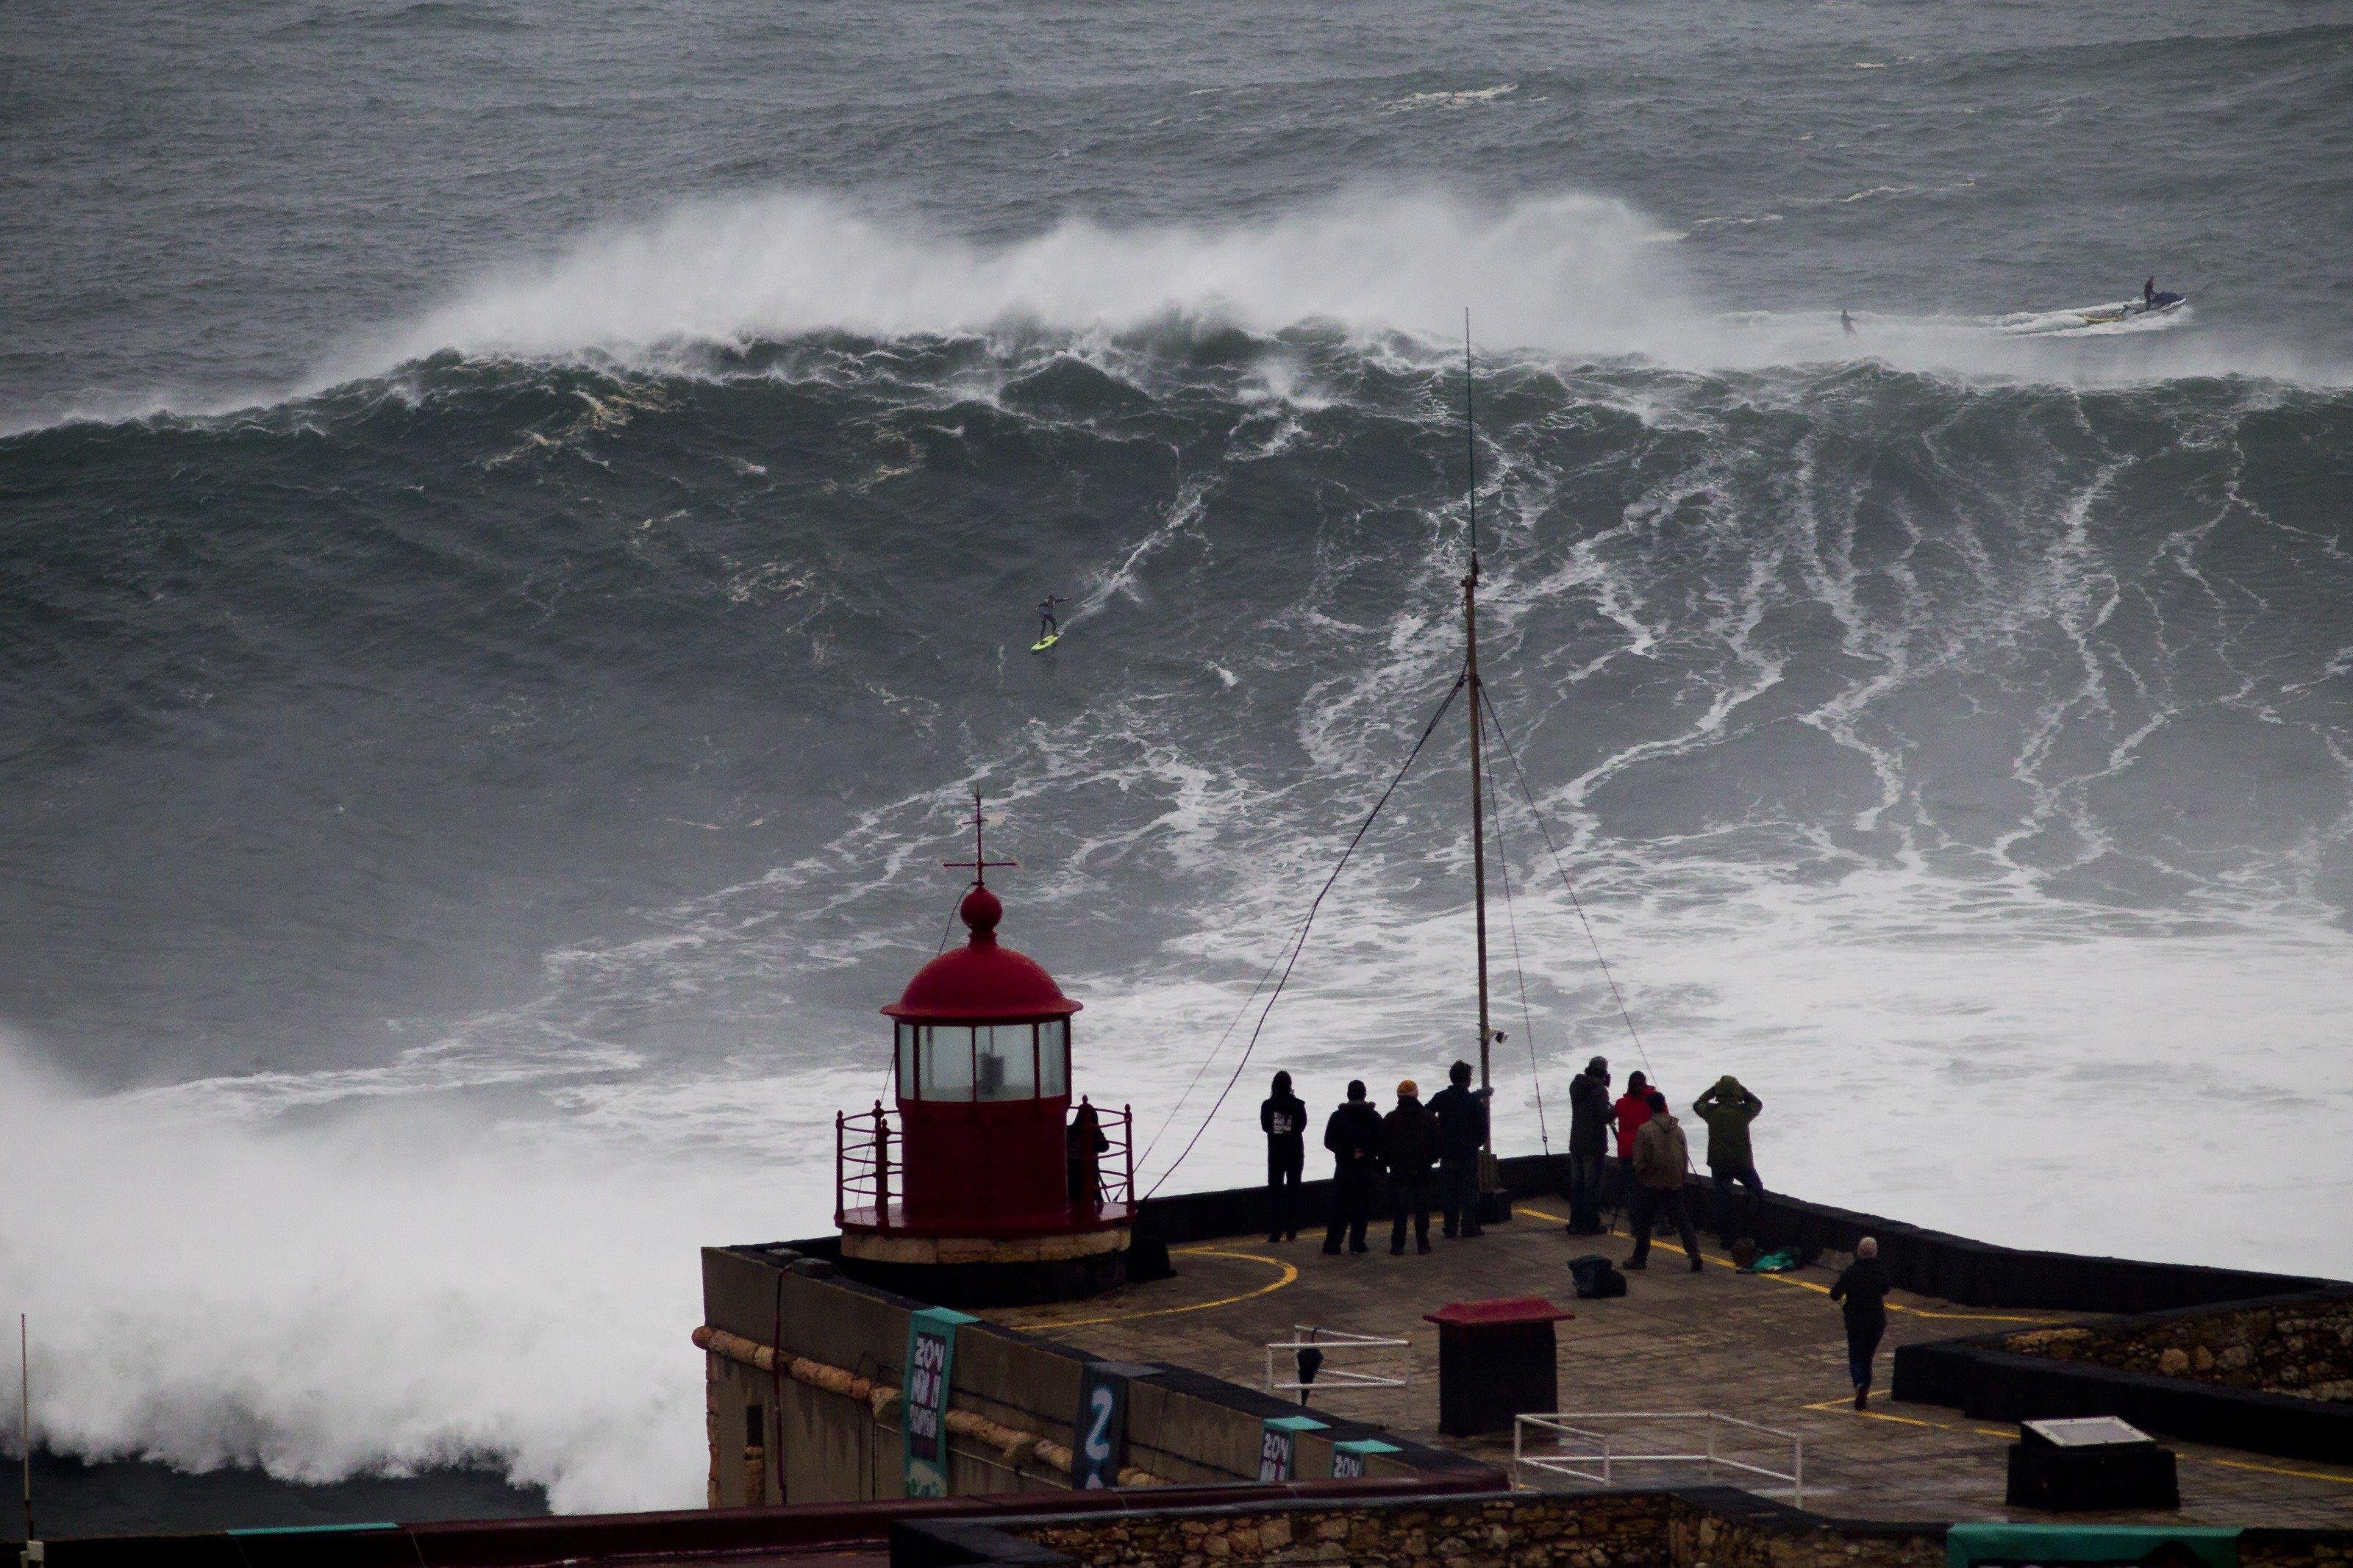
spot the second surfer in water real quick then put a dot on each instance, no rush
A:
(1046, 624)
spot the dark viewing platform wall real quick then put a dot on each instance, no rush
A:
(1982, 1378)
(1931, 1262)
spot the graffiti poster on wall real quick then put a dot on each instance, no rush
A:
(923, 1404)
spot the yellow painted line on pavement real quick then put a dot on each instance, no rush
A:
(1824, 1289)
(2341, 1480)
(1289, 1276)
(1847, 1406)
(2007, 1434)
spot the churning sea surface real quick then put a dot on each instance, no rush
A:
(518, 531)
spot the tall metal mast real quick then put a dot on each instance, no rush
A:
(1478, 794)
(33, 1549)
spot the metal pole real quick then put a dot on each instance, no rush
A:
(24, 1412)
(1478, 792)
(840, 1198)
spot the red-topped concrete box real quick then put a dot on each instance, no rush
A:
(1496, 1358)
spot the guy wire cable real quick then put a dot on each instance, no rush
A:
(1299, 945)
(1235, 1022)
(1566, 881)
(1519, 973)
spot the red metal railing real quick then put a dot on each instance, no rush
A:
(867, 1162)
(1117, 1164)
(861, 1162)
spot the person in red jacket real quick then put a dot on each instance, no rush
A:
(1634, 1109)
(1630, 1111)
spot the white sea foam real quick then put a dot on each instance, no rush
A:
(413, 1287)
(1568, 274)
(1567, 270)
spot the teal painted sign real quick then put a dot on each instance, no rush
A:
(1278, 1450)
(923, 1402)
(2059, 1545)
(1348, 1457)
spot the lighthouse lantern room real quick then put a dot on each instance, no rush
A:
(983, 1186)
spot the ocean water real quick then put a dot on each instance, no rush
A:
(518, 530)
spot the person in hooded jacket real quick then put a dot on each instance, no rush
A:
(1861, 1295)
(1283, 1116)
(1408, 1147)
(1461, 1113)
(1728, 1107)
(1662, 1156)
(1589, 1146)
(1352, 1134)
(1084, 1144)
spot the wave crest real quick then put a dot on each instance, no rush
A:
(1572, 273)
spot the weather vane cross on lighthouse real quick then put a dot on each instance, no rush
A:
(980, 864)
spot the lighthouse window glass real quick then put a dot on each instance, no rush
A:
(1053, 1058)
(908, 1074)
(947, 1062)
(1005, 1062)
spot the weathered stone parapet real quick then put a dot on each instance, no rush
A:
(2301, 1347)
(1529, 1529)
(1694, 1527)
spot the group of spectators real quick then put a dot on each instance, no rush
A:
(1421, 1151)
(1654, 1155)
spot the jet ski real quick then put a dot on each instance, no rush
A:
(2156, 304)
(2077, 317)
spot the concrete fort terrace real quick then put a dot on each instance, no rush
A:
(1764, 1349)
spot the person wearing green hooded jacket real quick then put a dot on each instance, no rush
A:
(1728, 1107)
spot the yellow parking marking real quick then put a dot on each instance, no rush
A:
(1824, 1289)
(1289, 1276)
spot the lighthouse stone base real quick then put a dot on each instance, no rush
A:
(990, 1271)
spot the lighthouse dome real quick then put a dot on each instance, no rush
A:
(982, 981)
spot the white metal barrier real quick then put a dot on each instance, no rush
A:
(1378, 1363)
(1588, 1446)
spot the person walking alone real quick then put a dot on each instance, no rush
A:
(1409, 1147)
(1728, 1108)
(1461, 1113)
(1354, 1136)
(1861, 1295)
(1661, 1156)
(1283, 1116)
(1589, 1146)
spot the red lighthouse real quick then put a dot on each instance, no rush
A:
(984, 1187)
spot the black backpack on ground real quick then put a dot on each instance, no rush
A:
(1596, 1277)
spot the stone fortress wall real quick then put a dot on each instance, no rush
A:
(2303, 1347)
